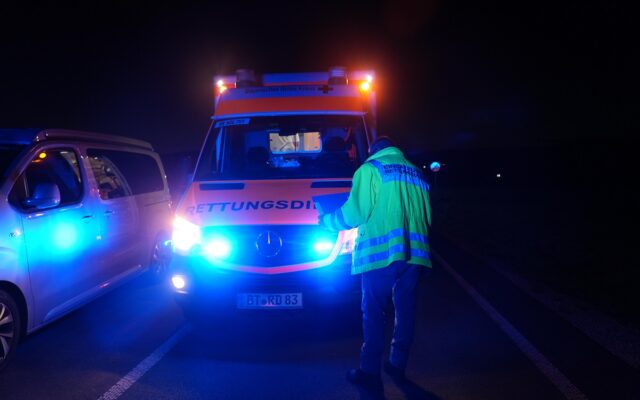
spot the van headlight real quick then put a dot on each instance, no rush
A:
(185, 234)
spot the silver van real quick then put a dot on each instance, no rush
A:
(80, 212)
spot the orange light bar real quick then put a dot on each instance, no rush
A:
(364, 86)
(282, 104)
(221, 86)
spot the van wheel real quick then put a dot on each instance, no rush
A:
(160, 257)
(9, 328)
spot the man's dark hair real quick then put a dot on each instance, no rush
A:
(381, 142)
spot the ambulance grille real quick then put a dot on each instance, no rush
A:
(272, 245)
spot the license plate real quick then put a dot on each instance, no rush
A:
(270, 300)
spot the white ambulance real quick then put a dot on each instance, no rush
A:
(246, 233)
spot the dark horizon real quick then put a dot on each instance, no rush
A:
(452, 75)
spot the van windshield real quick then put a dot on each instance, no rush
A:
(284, 147)
(8, 154)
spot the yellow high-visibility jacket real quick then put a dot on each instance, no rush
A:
(389, 203)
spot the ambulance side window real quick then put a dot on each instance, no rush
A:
(216, 162)
(211, 155)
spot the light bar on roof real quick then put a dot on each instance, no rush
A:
(335, 76)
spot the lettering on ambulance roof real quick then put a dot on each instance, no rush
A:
(272, 89)
(234, 121)
(233, 206)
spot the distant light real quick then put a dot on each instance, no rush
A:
(178, 282)
(498, 176)
(435, 166)
(222, 89)
(220, 83)
(365, 86)
(369, 78)
(42, 155)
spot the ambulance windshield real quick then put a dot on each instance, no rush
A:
(284, 147)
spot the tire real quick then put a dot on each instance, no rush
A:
(160, 257)
(9, 328)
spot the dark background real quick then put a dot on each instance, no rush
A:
(452, 74)
(538, 92)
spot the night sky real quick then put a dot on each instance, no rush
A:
(451, 75)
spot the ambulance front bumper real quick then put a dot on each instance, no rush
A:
(197, 280)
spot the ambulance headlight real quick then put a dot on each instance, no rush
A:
(179, 282)
(185, 234)
(218, 247)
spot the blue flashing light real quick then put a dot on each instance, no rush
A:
(218, 248)
(323, 246)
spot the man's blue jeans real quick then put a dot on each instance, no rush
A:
(397, 281)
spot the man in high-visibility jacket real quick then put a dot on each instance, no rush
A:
(389, 203)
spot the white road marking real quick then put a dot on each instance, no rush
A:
(619, 340)
(557, 378)
(145, 365)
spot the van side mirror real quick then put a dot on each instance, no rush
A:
(45, 195)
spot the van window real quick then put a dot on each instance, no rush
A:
(109, 179)
(137, 173)
(59, 166)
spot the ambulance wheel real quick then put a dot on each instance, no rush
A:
(9, 328)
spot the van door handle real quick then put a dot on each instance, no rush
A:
(108, 212)
(86, 217)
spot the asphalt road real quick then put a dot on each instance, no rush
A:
(477, 337)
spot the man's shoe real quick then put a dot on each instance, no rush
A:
(397, 374)
(365, 380)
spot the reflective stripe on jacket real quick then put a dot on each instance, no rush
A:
(389, 203)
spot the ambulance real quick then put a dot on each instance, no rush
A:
(246, 233)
